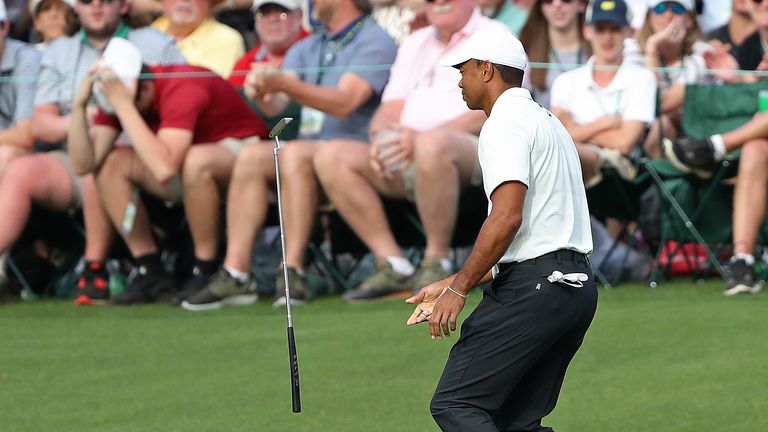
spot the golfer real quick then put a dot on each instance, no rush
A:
(506, 370)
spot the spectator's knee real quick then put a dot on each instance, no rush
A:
(254, 160)
(116, 164)
(328, 159)
(433, 150)
(197, 164)
(754, 157)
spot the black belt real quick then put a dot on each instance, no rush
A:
(558, 255)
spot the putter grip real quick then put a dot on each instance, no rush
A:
(294, 362)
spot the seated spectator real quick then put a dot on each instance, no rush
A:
(185, 134)
(553, 34)
(414, 151)
(46, 178)
(748, 55)
(513, 13)
(750, 194)
(671, 40)
(607, 104)
(18, 62)
(204, 41)
(278, 25)
(329, 74)
(52, 19)
(736, 30)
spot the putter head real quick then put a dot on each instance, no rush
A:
(279, 126)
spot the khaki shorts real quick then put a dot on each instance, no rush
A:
(77, 181)
(232, 144)
(409, 180)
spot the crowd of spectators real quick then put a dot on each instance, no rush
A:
(376, 118)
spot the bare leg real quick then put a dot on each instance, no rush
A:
(444, 162)
(350, 183)
(301, 193)
(750, 194)
(98, 228)
(590, 161)
(206, 173)
(753, 129)
(652, 143)
(9, 153)
(121, 170)
(248, 202)
(39, 179)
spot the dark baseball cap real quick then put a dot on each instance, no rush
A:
(612, 11)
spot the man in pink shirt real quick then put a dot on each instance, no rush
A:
(423, 147)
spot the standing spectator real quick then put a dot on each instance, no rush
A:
(607, 104)
(185, 134)
(736, 30)
(278, 26)
(47, 178)
(329, 73)
(553, 34)
(513, 13)
(204, 41)
(19, 65)
(671, 41)
(416, 152)
(52, 19)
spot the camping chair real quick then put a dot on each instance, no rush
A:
(699, 209)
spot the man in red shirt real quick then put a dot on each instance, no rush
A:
(278, 25)
(186, 125)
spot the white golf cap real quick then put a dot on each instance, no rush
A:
(3, 13)
(288, 4)
(496, 44)
(34, 4)
(687, 4)
(125, 60)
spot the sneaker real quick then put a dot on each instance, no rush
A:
(93, 285)
(384, 282)
(431, 271)
(223, 290)
(741, 278)
(192, 286)
(691, 155)
(622, 164)
(146, 288)
(297, 285)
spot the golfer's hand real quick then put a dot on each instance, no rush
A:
(425, 300)
(442, 310)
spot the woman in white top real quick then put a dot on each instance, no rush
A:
(671, 40)
(553, 34)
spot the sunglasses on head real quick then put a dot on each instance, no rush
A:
(549, 2)
(87, 2)
(677, 8)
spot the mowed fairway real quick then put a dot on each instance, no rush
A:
(677, 358)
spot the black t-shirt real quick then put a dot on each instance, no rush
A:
(723, 35)
(750, 52)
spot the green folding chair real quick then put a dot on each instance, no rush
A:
(699, 210)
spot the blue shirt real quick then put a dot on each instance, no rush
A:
(358, 49)
(19, 68)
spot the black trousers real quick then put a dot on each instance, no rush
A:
(507, 368)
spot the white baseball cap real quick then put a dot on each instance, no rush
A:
(496, 44)
(288, 4)
(687, 4)
(125, 60)
(33, 5)
(3, 13)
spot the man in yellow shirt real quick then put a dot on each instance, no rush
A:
(203, 40)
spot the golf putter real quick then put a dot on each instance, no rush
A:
(292, 357)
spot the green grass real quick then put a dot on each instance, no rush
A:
(681, 357)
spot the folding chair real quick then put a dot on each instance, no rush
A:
(699, 210)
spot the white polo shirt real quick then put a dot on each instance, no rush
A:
(631, 94)
(521, 141)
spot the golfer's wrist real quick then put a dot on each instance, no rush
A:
(457, 292)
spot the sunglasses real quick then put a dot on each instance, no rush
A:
(549, 2)
(757, 2)
(677, 8)
(87, 2)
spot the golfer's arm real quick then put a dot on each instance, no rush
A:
(496, 234)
